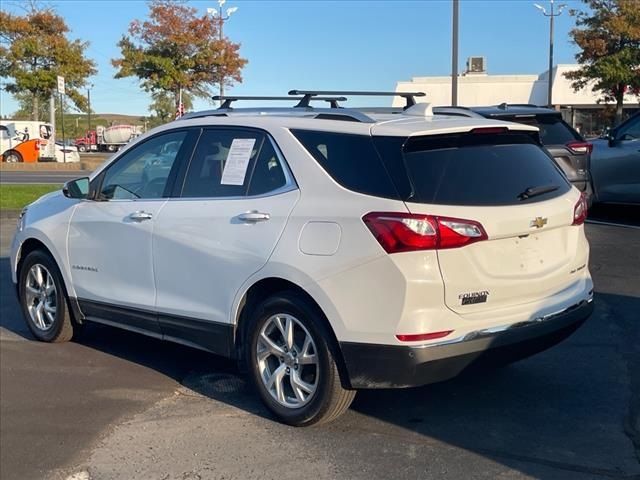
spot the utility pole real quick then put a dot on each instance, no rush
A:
(454, 54)
(52, 113)
(61, 92)
(221, 17)
(89, 115)
(552, 14)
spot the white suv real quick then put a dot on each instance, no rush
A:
(325, 249)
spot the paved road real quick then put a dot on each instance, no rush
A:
(26, 177)
(121, 406)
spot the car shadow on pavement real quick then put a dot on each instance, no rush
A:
(563, 409)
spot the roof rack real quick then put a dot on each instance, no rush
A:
(226, 100)
(308, 95)
(323, 113)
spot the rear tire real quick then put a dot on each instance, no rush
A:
(12, 156)
(297, 379)
(43, 299)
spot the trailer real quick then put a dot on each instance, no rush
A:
(108, 139)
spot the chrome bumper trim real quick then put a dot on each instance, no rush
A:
(493, 331)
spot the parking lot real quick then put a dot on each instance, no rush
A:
(116, 405)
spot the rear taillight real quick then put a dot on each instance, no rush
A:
(580, 210)
(404, 232)
(580, 148)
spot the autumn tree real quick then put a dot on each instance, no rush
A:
(609, 38)
(178, 49)
(34, 50)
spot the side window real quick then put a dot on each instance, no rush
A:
(143, 171)
(268, 174)
(222, 163)
(351, 160)
(631, 131)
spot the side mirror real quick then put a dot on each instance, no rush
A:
(78, 188)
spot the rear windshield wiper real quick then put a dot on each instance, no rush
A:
(535, 191)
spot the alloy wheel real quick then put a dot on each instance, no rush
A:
(41, 297)
(287, 361)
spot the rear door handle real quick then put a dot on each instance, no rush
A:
(253, 216)
(140, 216)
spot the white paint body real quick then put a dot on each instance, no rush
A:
(192, 259)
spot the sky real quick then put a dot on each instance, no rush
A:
(349, 45)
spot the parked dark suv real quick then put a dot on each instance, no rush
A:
(571, 152)
(615, 168)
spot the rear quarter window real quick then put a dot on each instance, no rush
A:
(351, 160)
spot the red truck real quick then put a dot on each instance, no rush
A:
(108, 139)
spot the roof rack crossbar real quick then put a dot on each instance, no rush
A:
(227, 100)
(308, 95)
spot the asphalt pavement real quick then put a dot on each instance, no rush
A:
(36, 177)
(114, 405)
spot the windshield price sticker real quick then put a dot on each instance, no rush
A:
(235, 168)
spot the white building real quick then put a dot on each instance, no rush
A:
(579, 108)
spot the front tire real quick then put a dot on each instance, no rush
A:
(292, 364)
(13, 156)
(43, 299)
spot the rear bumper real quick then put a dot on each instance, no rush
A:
(398, 366)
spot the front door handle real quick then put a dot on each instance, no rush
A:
(253, 216)
(140, 216)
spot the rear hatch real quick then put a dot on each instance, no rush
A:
(503, 185)
(567, 146)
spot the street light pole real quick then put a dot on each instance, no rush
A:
(221, 17)
(552, 14)
(454, 55)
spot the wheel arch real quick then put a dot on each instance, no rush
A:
(12, 150)
(30, 245)
(266, 287)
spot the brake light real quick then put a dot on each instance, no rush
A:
(580, 210)
(404, 232)
(489, 130)
(423, 336)
(580, 147)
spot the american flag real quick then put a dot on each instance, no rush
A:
(180, 111)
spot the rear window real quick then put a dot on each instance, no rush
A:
(553, 130)
(468, 169)
(351, 160)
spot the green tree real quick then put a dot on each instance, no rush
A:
(163, 107)
(34, 50)
(609, 38)
(177, 49)
(25, 107)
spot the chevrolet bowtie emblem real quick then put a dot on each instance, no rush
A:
(538, 222)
